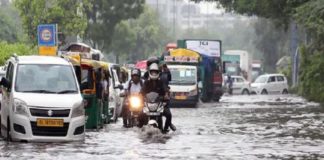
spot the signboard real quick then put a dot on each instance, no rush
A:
(231, 58)
(210, 48)
(47, 50)
(47, 35)
(181, 59)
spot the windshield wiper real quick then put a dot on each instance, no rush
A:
(66, 91)
(39, 91)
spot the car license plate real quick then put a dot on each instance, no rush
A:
(50, 122)
(180, 97)
(153, 113)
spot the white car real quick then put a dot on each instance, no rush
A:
(41, 101)
(115, 101)
(240, 85)
(270, 84)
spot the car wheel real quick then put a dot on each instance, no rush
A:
(285, 91)
(264, 91)
(245, 92)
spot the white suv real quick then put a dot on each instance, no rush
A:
(270, 83)
(41, 100)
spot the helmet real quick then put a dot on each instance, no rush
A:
(152, 60)
(154, 71)
(136, 72)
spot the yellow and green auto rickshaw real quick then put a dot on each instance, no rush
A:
(89, 74)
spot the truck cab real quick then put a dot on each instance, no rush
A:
(184, 84)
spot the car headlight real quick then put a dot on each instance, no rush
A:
(78, 110)
(20, 107)
(193, 92)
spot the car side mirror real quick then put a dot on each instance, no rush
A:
(200, 85)
(4, 82)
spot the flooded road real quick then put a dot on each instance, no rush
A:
(239, 127)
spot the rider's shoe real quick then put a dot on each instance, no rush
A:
(173, 127)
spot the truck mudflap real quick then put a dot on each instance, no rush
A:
(218, 92)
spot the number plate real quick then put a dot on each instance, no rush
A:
(50, 122)
(153, 113)
(180, 97)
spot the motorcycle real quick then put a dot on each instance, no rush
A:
(153, 109)
(134, 102)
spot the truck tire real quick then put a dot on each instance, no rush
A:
(216, 99)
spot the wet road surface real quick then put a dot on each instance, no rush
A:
(239, 127)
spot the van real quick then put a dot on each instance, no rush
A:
(41, 100)
(270, 84)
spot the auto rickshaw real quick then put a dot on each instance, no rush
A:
(89, 73)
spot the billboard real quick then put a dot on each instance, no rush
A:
(210, 48)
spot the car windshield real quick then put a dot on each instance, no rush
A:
(45, 78)
(261, 79)
(183, 76)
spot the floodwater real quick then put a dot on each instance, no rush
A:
(239, 127)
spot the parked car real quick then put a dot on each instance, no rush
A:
(2, 74)
(41, 100)
(270, 84)
(115, 101)
(240, 85)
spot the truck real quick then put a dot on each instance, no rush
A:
(238, 63)
(257, 69)
(183, 65)
(209, 68)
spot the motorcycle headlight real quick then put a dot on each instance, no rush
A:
(78, 110)
(20, 107)
(135, 102)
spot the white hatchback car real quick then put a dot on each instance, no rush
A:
(240, 85)
(270, 83)
(41, 100)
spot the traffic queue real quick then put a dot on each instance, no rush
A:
(55, 99)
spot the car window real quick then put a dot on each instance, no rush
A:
(240, 80)
(280, 78)
(272, 79)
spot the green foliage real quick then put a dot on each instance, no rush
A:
(20, 49)
(139, 38)
(311, 16)
(10, 27)
(104, 15)
(68, 14)
(280, 11)
(311, 76)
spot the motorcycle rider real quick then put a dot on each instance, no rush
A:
(133, 86)
(154, 84)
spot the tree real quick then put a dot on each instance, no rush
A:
(140, 38)
(10, 24)
(104, 15)
(68, 14)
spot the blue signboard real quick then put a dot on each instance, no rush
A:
(46, 34)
